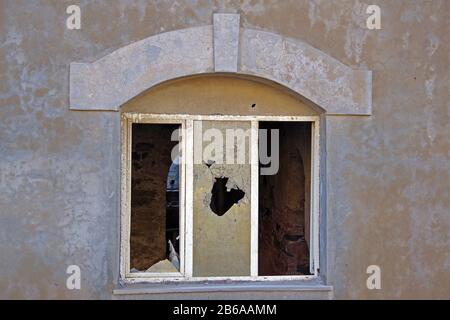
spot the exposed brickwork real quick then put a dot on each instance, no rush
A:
(283, 249)
(151, 161)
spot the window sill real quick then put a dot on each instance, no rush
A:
(294, 289)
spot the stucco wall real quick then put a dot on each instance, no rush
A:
(387, 174)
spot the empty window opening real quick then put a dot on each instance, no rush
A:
(284, 203)
(221, 198)
(216, 218)
(173, 213)
(155, 211)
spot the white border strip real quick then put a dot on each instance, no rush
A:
(164, 118)
(314, 199)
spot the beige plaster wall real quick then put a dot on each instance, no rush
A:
(220, 94)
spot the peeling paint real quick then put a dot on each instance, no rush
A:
(387, 186)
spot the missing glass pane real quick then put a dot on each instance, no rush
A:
(284, 202)
(155, 210)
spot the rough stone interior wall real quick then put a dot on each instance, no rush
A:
(151, 160)
(283, 245)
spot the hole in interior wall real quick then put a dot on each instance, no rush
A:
(284, 203)
(155, 212)
(209, 163)
(222, 199)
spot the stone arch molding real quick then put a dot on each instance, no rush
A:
(111, 81)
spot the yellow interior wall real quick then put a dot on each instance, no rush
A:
(219, 94)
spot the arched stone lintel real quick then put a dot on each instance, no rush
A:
(111, 81)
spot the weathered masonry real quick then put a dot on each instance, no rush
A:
(91, 118)
(190, 219)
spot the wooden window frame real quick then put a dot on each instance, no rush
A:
(186, 196)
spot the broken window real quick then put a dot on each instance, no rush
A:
(222, 197)
(284, 201)
(219, 199)
(221, 212)
(155, 212)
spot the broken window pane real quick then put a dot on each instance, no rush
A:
(155, 211)
(284, 200)
(221, 199)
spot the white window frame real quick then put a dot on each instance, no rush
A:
(186, 196)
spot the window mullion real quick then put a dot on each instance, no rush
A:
(189, 193)
(254, 159)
